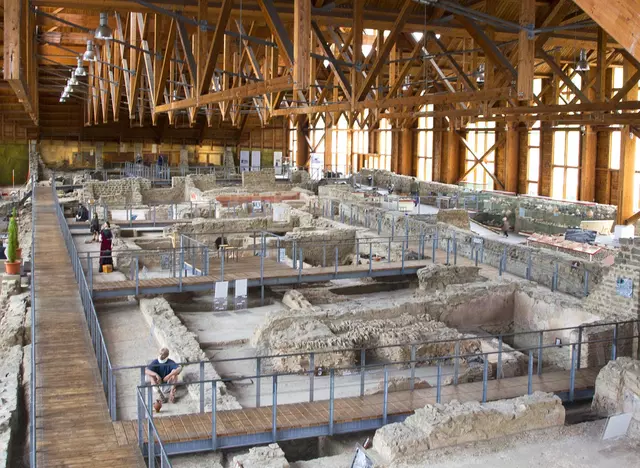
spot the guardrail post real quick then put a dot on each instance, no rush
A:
(455, 249)
(222, 254)
(572, 379)
(357, 252)
(413, 367)
(180, 270)
(385, 401)
(274, 409)
(332, 378)
(393, 227)
(258, 381)
(140, 417)
(439, 382)
(312, 373)
(336, 264)
(529, 267)
(137, 276)
(112, 395)
(540, 349)
(586, 283)
(477, 252)
(530, 374)
(370, 257)
(379, 224)
(389, 251)
(485, 378)
(262, 277)
(456, 363)
(554, 278)
(362, 369)
(614, 343)
(402, 269)
(214, 416)
(90, 270)
(448, 245)
(202, 386)
(151, 442)
(499, 366)
(294, 254)
(579, 345)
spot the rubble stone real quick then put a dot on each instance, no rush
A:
(455, 423)
(270, 456)
(437, 276)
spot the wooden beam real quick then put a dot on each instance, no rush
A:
(601, 67)
(619, 18)
(562, 75)
(526, 52)
(242, 92)
(512, 151)
(357, 31)
(627, 156)
(342, 79)
(271, 16)
(164, 69)
(451, 163)
(383, 53)
(301, 44)
(217, 44)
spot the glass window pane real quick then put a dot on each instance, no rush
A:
(558, 148)
(534, 138)
(557, 186)
(614, 155)
(571, 190)
(532, 188)
(533, 169)
(573, 149)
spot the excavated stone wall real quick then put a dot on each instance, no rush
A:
(618, 391)
(318, 247)
(264, 179)
(270, 456)
(455, 423)
(457, 218)
(117, 192)
(184, 347)
(10, 388)
(174, 194)
(437, 276)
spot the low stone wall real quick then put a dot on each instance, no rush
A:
(13, 326)
(618, 391)
(318, 247)
(174, 194)
(437, 276)
(117, 192)
(10, 389)
(270, 456)
(184, 347)
(263, 179)
(455, 423)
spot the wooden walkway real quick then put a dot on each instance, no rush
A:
(73, 425)
(249, 268)
(249, 421)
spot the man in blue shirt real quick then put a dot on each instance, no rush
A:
(164, 372)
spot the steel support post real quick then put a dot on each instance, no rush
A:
(530, 374)
(214, 415)
(579, 346)
(413, 367)
(572, 379)
(362, 370)
(258, 380)
(312, 374)
(370, 257)
(151, 443)
(614, 343)
(456, 363)
(485, 377)
(274, 410)
(336, 264)
(586, 283)
(202, 387)
(499, 366)
(385, 400)
(332, 377)
(540, 349)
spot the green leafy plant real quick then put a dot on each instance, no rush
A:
(12, 244)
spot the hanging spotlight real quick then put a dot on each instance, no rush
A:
(89, 55)
(407, 83)
(104, 31)
(80, 71)
(63, 99)
(68, 89)
(582, 64)
(73, 80)
(65, 94)
(480, 74)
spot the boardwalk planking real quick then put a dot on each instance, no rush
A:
(298, 415)
(73, 424)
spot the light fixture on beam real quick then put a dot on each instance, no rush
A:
(480, 74)
(104, 31)
(65, 94)
(62, 99)
(68, 89)
(582, 64)
(89, 55)
(80, 71)
(73, 81)
(407, 83)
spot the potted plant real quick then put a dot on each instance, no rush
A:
(12, 265)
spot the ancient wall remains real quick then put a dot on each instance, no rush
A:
(618, 391)
(264, 179)
(117, 192)
(455, 423)
(184, 347)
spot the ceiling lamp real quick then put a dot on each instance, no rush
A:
(63, 99)
(480, 74)
(73, 81)
(65, 94)
(407, 83)
(68, 89)
(582, 64)
(89, 55)
(104, 31)
(80, 71)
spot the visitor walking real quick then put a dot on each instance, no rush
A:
(505, 226)
(106, 238)
(414, 188)
(164, 373)
(95, 227)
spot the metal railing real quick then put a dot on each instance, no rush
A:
(150, 449)
(95, 331)
(443, 378)
(533, 343)
(455, 245)
(33, 383)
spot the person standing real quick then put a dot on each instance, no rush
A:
(414, 188)
(505, 226)
(105, 246)
(95, 227)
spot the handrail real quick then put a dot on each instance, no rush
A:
(95, 330)
(33, 387)
(152, 435)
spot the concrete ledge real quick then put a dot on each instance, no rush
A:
(437, 426)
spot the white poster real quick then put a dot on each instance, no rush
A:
(316, 166)
(277, 162)
(244, 161)
(220, 295)
(241, 294)
(255, 160)
(281, 213)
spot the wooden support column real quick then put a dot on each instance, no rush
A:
(301, 44)
(406, 160)
(526, 50)
(451, 163)
(627, 156)
(512, 160)
(589, 150)
(328, 135)
(302, 147)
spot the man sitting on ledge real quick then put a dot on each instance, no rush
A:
(164, 372)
